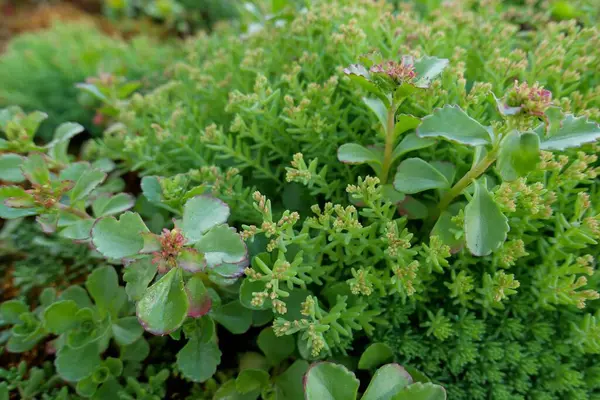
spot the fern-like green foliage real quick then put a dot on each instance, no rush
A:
(39, 71)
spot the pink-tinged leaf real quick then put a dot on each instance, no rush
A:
(20, 202)
(198, 297)
(151, 243)
(191, 260)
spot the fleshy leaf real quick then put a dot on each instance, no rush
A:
(427, 69)
(328, 381)
(387, 382)
(375, 355)
(80, 230)
(275, 348)
(9, 192)
(201, 213)
(35, 169)
(127, 330)
(454, 124)
(138, 276)
(519, 154)
(191, 260)
(233, 316)
(410, 143)
(103, 285)
(60, 316)
(198, 360)
(78, 294)
(75, 364)
(485, 225)
(57, 148)
(119, 239)
(10, 168)
(415, 175)
(405, 122)
(222, 244)
(289, 385)
(421, 391)
(11, 310)
(573, 132)
(251, 379)
(110, 205)
(164, 306)
(199, 299)
(378, 108)
(353, 153)
(412, 208)
(246, 294)
(85, 184)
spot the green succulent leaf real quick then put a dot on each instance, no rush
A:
(289, 385)
(198, 360)
(406, 122)
(110, 205)
(119, 239)
(164, 305)
(352, 153)
(86, 183)
(233, 316)
(7, 193)
(250, 380)
(10, 168)
(415, 175)
(103, 285)
(11, 310)
(328, 381)
(86, 387)
(35, 169)
(375, 355)
(201, 213)
(80, 230)
(57, 148)
(75, 364)
(485, 225)
(60, 316)
(452, 123)
(427, 69)
(410, 143)
(519, 154)
(387, 382)
(421, 391)
(199, 298)
(379, 109)
(138, 276)
(78, 294)
(275, 348)
(127, 330)
(573, 132)
(221, 244)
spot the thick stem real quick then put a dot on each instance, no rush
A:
(389, 143)
(474, 173)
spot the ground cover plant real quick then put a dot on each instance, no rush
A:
(333, 200)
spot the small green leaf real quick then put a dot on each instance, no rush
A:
(200, 301)
(198, 360)
(227, 391)
(164, 306)
(485, 225)
(11, 310)
(410, 143)
(421, 391)
(221, 244)
(127, 330)
(275, 348)
(119, 239)
(78, 294)
(392, 195)
(110, 205)
(328, 381)
(233, 316)
(151, 188)
(80, 230)
(428, 68)
(201, 213)
(86, 387)
(8, 193)
(446, 230)
(35, 169)
(103, 286)
(454, 124)
(416, 375)
(387, 382)
(379, 108)
(415, 175)
(573, 132)
(137, 351)
(246, 294)
(10, 168)
(60, 316)
(250, 380)
(85, 184)
(519, 154)
(412, 208)
(289, 385)
(352, 153)
(57, 148)
(406, 122)
(375, 355)
(138, 276)
(75, 364)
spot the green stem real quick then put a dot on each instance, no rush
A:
(389, 143)
(466, 180)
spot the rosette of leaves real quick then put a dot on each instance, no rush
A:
(85, 327)
(391, 83)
